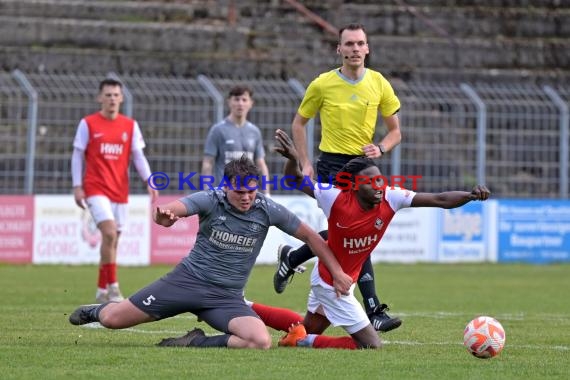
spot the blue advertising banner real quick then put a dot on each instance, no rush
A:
(535, 231)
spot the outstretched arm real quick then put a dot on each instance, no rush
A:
(293, 170)
(450, 199)
(169, 213)
(341, 281)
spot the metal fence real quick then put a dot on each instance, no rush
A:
(174, 115)
(514, 138)
(439, 136)
(14, 116)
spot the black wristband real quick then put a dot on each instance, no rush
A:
(381, 147)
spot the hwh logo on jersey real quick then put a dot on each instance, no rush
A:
(116, 149)
(352, 243)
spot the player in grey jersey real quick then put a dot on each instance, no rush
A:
(210, 281)
(234, 136)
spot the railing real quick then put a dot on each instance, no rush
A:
(512, 137)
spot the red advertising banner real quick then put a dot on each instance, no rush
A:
(169, 244)
(16, 228)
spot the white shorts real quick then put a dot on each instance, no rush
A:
(103, 209)
(345, 311)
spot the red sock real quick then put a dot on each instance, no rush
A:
(102, 280)
(276, 317)
(346, 342)
(111, 270)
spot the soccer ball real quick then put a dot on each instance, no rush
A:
(484, 337)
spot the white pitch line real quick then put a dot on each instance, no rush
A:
(97, 325)
(510, 346)
(448, 314)
(468, 316)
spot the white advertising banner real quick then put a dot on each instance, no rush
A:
(65, 234)
(410, 237)
(307, 210)
(51, 229)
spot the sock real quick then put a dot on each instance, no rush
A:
(97, 310)
(304, 253)
(211, 341)
(100, 292)
(323, 341)
(367, 287)
(276, 317)
(113, 285)
(111, 270)
(307, 341)
(102, 280)
(94, 312)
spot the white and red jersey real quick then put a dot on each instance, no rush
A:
(107, 144)
(354, 232)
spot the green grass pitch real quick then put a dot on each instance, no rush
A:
(434, 301)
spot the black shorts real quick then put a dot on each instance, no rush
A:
(329, 164)
(180, 291)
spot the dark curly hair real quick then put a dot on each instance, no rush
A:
(349, 171)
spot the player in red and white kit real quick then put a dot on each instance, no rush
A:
(359, 208)
(106, 141)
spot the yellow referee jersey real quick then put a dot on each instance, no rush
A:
(348, 109)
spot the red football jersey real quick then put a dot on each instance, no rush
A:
(354, 232)
(107, 157)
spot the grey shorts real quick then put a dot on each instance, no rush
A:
(180, 291)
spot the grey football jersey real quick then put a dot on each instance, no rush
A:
(226, 142)
(229, 241)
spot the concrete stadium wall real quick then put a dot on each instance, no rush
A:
(269, 38)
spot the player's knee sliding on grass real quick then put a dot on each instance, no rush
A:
(289, 262)
(358, 214)
(210, 281)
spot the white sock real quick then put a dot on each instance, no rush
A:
(307, 341)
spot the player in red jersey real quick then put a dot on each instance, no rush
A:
(359, 208)
(106, 141)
